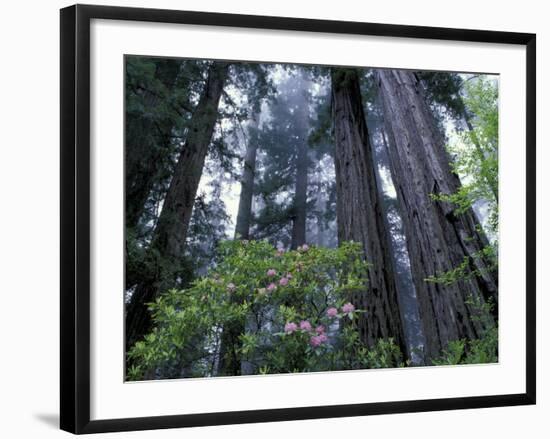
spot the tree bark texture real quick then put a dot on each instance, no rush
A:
(438, 239)
(408, 305)
(359, 211)
(168, 243)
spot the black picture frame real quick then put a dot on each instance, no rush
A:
(75, 217)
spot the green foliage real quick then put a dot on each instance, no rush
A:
(342, 77)
(453, 354)
(161, 97)
(475, 351)
(443, 90)
(475, 151)
(467, 269)
(283, 298)
(475, 159)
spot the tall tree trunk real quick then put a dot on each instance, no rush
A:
(229, 357)
(145, 151)
(167, 246)
(438, 240)
(408, 303)
(300, 197)
(320, 207)
(300, 194)
(359, 211)
(244, 215)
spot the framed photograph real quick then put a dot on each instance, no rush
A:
(268, 218)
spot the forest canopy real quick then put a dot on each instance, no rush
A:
(286, 218)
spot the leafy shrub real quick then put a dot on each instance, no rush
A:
(292, 307)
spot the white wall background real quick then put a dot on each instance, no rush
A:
(29, 249)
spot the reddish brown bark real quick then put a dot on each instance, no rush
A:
(359, 211)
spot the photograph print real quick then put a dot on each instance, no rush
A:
(286, 218)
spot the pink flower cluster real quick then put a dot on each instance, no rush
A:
(318, 340)
(347, 308)
(318, 337)
(332, 312)
(283, 281)
(303, 248)
(290, 327)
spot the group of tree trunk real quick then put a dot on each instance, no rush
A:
(438, 238)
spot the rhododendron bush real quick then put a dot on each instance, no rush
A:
(266, 310)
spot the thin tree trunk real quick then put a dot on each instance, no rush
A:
(320, 207)
(359, 211)
(244, 215)
(300, 194)
(438, 240)
(167, 246)
(229, 358)
(300, 197)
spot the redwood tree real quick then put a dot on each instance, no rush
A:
(439, 240)
(299, 215)
(359, 210)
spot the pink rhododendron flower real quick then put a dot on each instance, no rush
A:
(348, 307)
(231, 287)
(290, 327)
(305, 325)
(332, 312)
(303, 248)
(271, 272)
(320, 329)
(271, 287)
(323, 337)
(317, 340)
(283, 282)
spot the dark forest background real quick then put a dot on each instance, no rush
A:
(288, 218)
